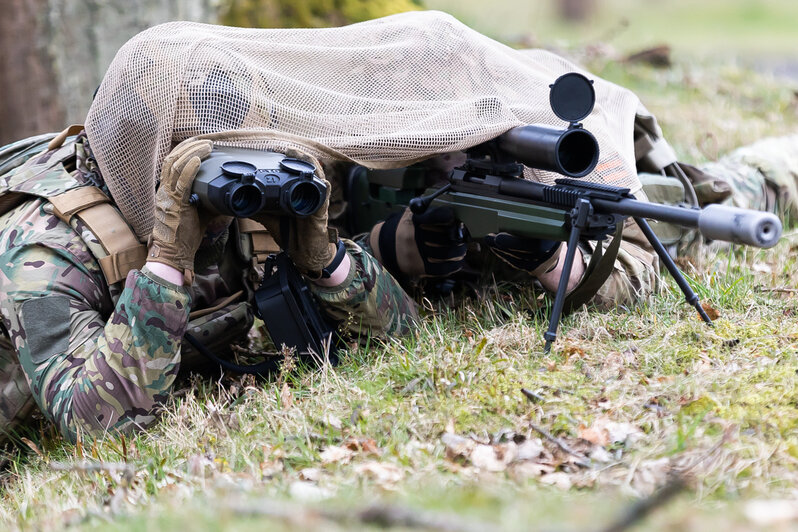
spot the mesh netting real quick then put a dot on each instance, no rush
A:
(383, 93)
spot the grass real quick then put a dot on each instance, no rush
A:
(651, 387)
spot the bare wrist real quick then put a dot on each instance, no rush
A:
(338, 276)
(165, 272)
(551, 279)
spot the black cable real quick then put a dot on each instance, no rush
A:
(255, 369)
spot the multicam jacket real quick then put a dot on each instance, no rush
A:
(94, 357)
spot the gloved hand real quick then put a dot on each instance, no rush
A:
(179, 227)
(306, 240)
(532, 255)
(431, 244)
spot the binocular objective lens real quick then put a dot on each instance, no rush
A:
(305, 199)
(245, 200)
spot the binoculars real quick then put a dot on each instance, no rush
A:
(243, 182)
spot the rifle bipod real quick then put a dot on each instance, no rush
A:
(580, 219)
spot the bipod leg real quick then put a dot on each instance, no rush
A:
(580, 214)
(689, 295)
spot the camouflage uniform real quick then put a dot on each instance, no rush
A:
(762, 176)
(95, 357)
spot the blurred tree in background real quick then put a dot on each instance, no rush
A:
(54, 53)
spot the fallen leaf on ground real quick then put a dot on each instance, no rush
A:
(711, 311)
(531, 449)
(526, 469)
(362, 445)
(311, 474)
(308, 492)
(650, 475)
(269, 468)
(384, 474)
(603, 431)
(332, 421)
(334, 453)
(457, 447)
(557, 479)
(493, 457)
(286, 398)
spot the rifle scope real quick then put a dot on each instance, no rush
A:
(243, 182)
(572, 152)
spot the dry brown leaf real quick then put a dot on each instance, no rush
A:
(604, 431)
(33, 447)
(528, 469)
(311, 474)
(558, 479)
(569, 350)
(711, 311)
(332, 421)
(493, 458)
(362, 445)
(531, 449)
(269, 468)
(650, 475)
(384, 474)
(286, 398)
(334, 453)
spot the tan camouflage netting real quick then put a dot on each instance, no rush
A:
(383, 93)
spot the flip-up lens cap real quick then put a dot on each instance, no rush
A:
(572, 97)
(238, 168)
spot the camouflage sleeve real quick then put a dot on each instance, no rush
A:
(762, 176)
(91, 366)
(369, 300)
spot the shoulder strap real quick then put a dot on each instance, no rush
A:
(598, 271)
(94, 208)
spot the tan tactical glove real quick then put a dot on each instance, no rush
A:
(178, 228)
(306, 240)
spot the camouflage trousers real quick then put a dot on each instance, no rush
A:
(17, 400)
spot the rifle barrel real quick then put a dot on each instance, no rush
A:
(715, 222)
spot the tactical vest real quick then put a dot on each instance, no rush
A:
(45, 167)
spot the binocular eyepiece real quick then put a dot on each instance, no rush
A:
(243, 182)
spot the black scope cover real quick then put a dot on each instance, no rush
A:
(572, 97)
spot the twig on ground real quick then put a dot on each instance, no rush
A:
(96, 467)
(532, 396)
(583, 461)
(780, 289)
(642, 508)
(375, 515)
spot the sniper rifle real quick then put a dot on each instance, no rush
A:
(489, 195)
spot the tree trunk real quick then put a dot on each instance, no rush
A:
(576, 10)
(54, 53)
(29, 102)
